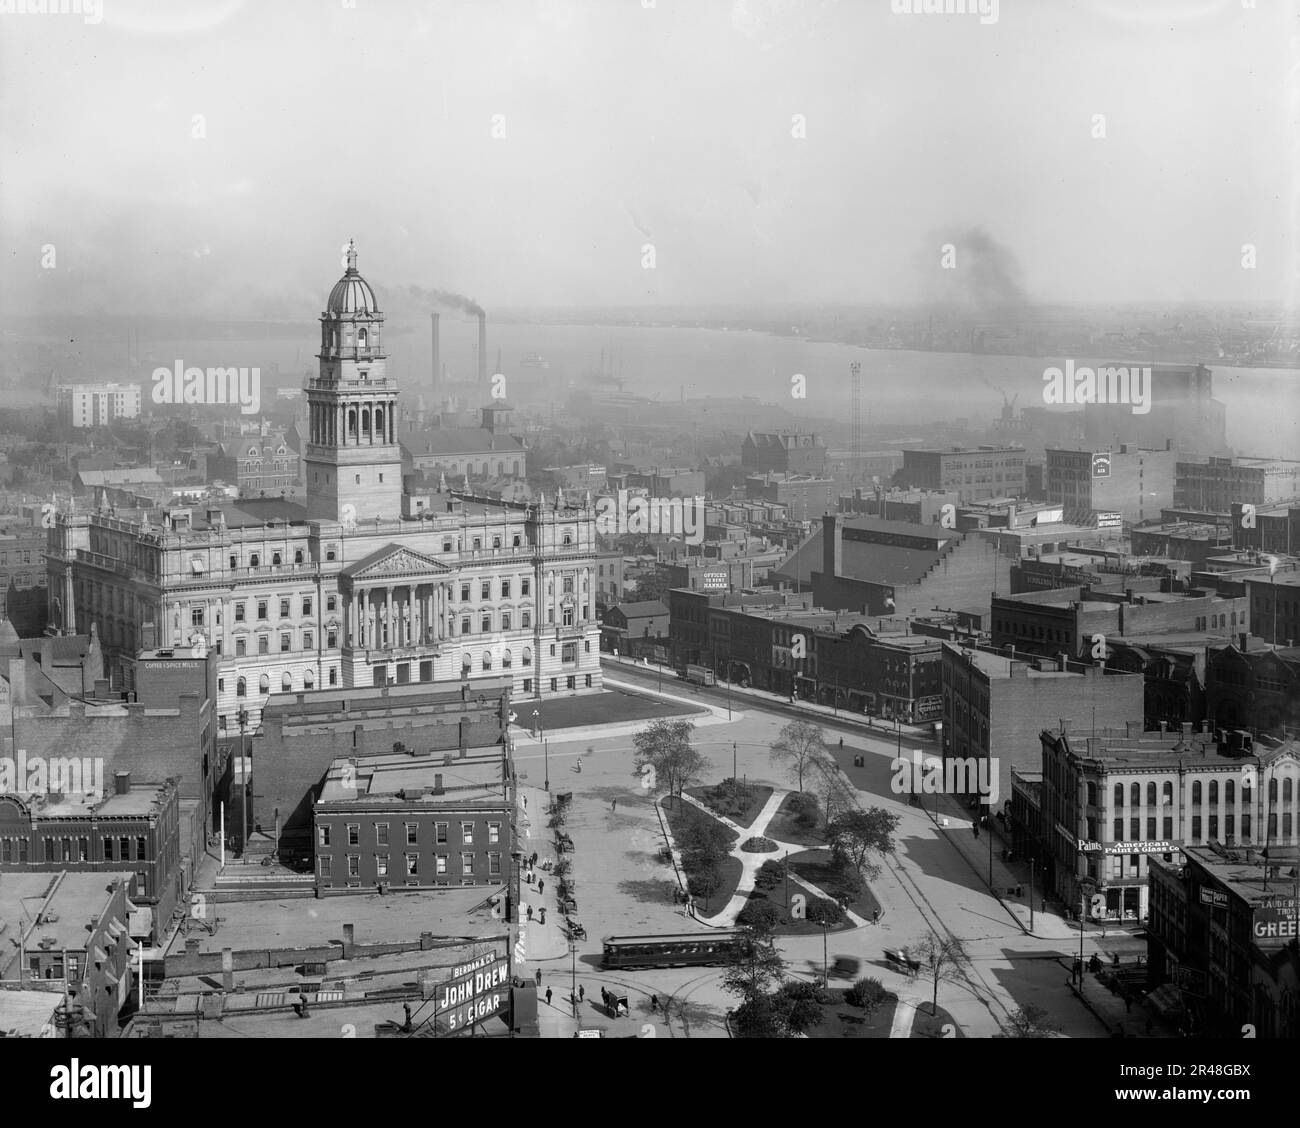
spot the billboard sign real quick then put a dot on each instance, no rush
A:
(1109, 520)
(1162, 847)
(715, 579)
(1215, 897)
(476, 991)
(929, 708)
(1101, 464)
(1276, 924)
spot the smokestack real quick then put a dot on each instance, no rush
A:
(482, 349)
(435, 323)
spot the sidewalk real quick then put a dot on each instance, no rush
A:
(917, 734)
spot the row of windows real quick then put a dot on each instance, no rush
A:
(485, 586)
(352, 832)
(76, 848)
(286, 643)
(264, 605)
(1167, 792)
(26, 558)
(410, 865)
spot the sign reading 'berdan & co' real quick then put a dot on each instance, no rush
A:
(475, 991)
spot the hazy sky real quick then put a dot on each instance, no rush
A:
(626, 125)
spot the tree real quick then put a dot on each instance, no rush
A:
(824, 912)
(1028, 1022)
(704, 878)
(754, 966)
(760, 916)
(797, 746)
(805, 809)
(854, 835)
(837, 794)
(770, 874)
(945, 957)
(869, 994)
(665, 756)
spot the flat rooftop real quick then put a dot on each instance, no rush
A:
(75, 900)
(475, 777)
(301, 923)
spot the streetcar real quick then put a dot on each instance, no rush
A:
(695, 949)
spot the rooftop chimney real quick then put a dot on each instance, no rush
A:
(122, 783)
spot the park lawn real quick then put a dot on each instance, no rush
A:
(794, 927)
(682, 815)
(784, 828)
(759, 794)
(817, 866)
(843, 1020)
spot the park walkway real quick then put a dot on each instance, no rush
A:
(751, 863)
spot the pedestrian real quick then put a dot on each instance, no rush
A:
(841, 742)
(579, 763)
(613, 804)
(541, 888)
(530, 912)
(582, 993)
(548, 996)
(542, 911)
(654, 1004)
(975, 826)
(539, 977)
(876, 917)
(406, 1026)
(525, 802)
(533, 860)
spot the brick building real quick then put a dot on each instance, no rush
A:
(1110, 800)
(634, 628)
(23, 582)
(882, 674)
(1275, 606)
(1221, 942)
(995, 705)
(417, 820)
(302, 734)
(72, 930)
(975, 473)
(805, 496)
(1130, 481)
(783, 453)
(1255, 689)
(132, 826)
(1219, 483)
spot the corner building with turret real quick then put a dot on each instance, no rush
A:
(364, 585)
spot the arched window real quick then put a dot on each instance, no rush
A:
(365, 420)
(505, 660)
(241, 688)
(487, 659)
(1135, 795)
(264, 684)
(286, 682)
(1196, 793)
(379, 421)
(1272, 790)
(1286, 791)
(467, 663)
(1229, 792)
(1119, 796)
(1151, 794)
(352, 422)
(361, 338)
(1169, 792)
(1092, 795)
(1214, 791)
(528, 655)
(308, 680)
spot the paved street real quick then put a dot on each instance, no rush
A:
(930, 883)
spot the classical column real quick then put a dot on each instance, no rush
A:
(388, 596)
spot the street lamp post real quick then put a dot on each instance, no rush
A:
(826, 982)
(1032, 861)
(573, 983)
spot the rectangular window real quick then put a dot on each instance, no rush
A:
(494, 865)
(354, 865)
(284, 609)
(505, 589)
(241, 648)
(261, 608)
(306, 604)
(440, 864)
(264, 644)
(440, 832)
(525, 585)
(1196, 828)
(467, 865)
(412, 834)
(381, 865)
(485, 590)
(486, 623)
(412, 861)
(354, 834)
(239, 612)
(286, 642)
(332, 640)
(505, 620)
(494, 832)
(326, 865)
(525, 619)
(464, 593)
(124, 848)
(308, 640)
(196, 616)
(467, 833)
(464, 625)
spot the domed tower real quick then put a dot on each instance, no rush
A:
(353, 461)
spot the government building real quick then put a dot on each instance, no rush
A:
(364, 584)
